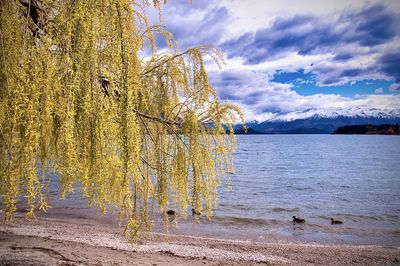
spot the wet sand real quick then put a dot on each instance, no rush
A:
(55, 242)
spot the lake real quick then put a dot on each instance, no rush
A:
(352, 178)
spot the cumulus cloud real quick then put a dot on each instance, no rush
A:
(309, 34)
(337, 42)
(354, 40)
(395, 87)
(390, 64)
(265, 100)
(201, 22)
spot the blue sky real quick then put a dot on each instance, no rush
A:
(284, 57)
(305, 84)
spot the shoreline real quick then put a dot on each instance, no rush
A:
(48, 241)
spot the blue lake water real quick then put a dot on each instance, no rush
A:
(352, 178)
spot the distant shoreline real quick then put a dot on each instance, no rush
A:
(364, 129)
(368, 129)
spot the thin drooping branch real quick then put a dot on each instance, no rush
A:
(164, 62)
(179, 137)
(147, 163)
(157, 119)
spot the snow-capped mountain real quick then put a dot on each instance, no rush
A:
(312, 121)
(337, 112)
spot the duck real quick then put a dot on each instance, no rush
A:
(171, 212)
(298, 220)
(194, 212)
(333, 221)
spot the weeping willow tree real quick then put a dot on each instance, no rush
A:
(76, 98)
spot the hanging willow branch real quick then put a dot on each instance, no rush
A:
(76, 98)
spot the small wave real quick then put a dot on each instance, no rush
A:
(243, 208)
(68, 208)
(237, 206)
(391, 217)
(396, 233)
(355, 217)
(310, 206)
(344, 200)
(230, 220)
(324, 217)
(303, 188)
(360, 217)
(285, 209)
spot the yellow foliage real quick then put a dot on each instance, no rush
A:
(76, 98)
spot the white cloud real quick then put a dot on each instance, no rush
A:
(295, 106)
(264, 100)
(332, 62)
(395, 87)
(251, 15)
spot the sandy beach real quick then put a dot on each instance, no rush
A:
(54, 242)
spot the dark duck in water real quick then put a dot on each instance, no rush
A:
(333, 221)
(298, 220)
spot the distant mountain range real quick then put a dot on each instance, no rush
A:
(319, 123)
(362, 111)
